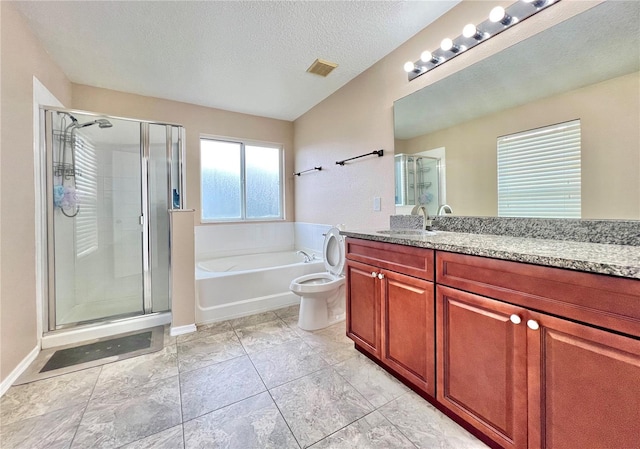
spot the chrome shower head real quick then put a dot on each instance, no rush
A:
(104, 123)
(101, 122)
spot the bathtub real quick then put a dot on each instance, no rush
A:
(231, 287)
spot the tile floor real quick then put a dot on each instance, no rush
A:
(254, 382)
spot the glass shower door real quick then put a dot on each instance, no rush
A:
(95, 218)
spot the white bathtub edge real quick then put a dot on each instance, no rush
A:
(181, 330)
(247, 307)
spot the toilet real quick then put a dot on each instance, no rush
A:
(322, 295)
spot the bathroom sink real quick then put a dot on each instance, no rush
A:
(407, 232)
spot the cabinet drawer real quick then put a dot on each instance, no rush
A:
(605, 301)
(416, 262)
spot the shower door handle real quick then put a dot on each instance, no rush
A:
(141, 220)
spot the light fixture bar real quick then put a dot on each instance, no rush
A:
(499, 20)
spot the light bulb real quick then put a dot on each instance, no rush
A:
(469, 30)
(409, 66)
(427, 56)
(446, 44)
(497, 14)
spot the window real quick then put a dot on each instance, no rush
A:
(539, 172)
(240, 181)
(86, 221)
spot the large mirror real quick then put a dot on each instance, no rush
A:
(584, 69)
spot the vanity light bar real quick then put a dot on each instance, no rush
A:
(499, 20)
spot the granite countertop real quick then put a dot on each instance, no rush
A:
(615, 260)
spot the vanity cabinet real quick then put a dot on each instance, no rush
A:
(526, 378)
(390, 308)
(363, 307)
(482, 364)
(528, 356)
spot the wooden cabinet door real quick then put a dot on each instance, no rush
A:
(584, 386)
(363, 306)
(408, 328)
(482, 364)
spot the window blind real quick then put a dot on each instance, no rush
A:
(539, 172)
(86, 221)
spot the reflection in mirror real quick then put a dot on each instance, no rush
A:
(419, 181)
(585, 68)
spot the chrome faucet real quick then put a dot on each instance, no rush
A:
(307, 257)
(445, 209)
(420, 208)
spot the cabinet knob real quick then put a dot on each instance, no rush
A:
(533, 325)
(515, 319)
(380, 276)
(373, 274)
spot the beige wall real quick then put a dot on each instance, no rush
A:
(197, 120)
(183, 282)
(610, 157)
(359, 118)
(22, 58)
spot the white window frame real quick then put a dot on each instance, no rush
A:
(243, 207)
(539, 172)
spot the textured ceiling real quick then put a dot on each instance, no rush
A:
(244, 56)
(596, 45)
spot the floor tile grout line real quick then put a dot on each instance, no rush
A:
(275, 403)
(392, 423)
(342, 428)
(211, 364)
(284, 419)
(301, 377)
(86, 406)
(223, 407)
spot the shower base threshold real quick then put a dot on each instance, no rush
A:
(85, 333)
(63, 360)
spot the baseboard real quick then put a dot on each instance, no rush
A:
(22, 366)
(181, 330)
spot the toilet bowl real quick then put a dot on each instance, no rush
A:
(322, 295)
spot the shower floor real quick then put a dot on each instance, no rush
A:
(100, 309)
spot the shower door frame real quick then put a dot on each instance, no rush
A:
(49, 305)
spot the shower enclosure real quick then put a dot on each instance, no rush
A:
(418, 181)
(110, 184)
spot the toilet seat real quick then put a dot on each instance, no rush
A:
(322, 295)
(333, 252)
(316, 283)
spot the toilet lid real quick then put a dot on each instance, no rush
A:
(333, 252)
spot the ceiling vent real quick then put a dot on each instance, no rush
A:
(321, 67)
